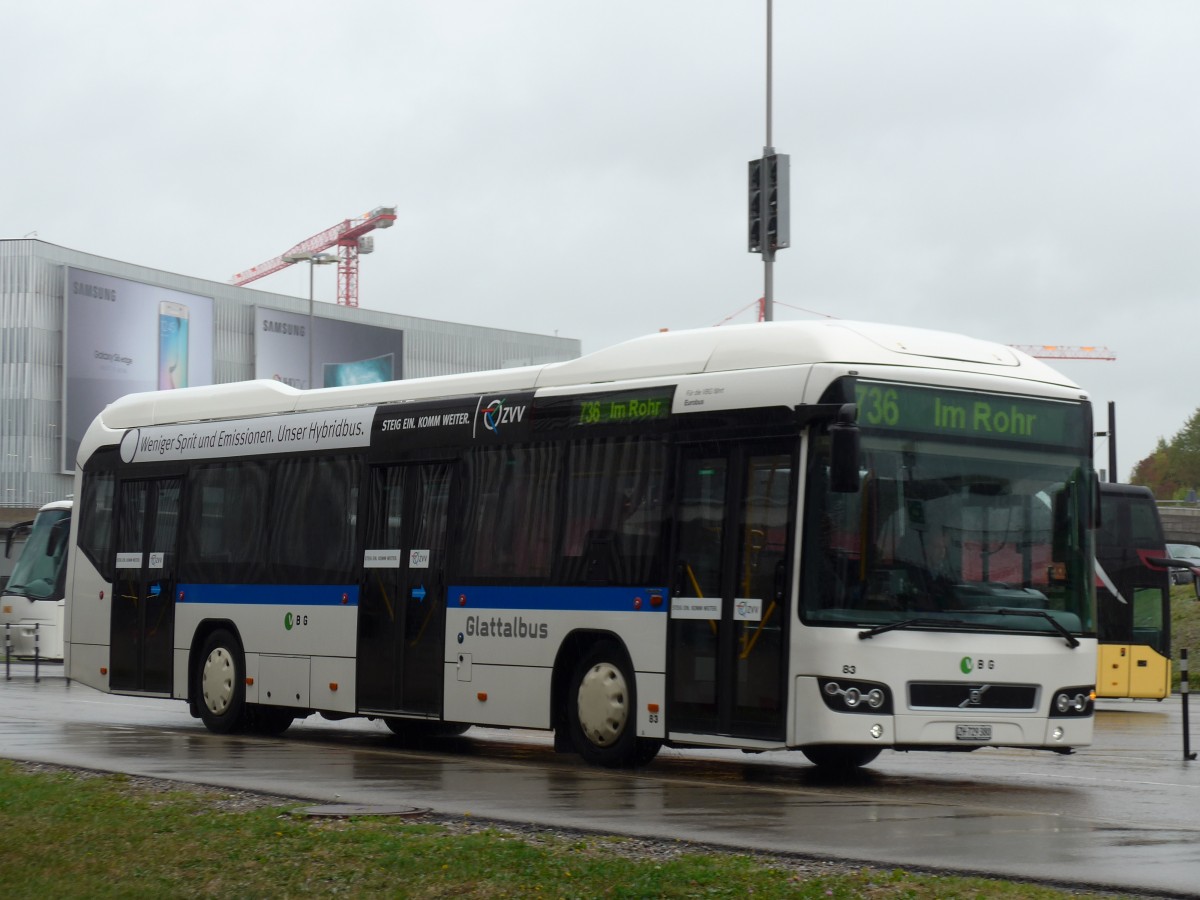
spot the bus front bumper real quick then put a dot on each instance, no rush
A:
(906, 729)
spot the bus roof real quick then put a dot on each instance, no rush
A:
(664, 355)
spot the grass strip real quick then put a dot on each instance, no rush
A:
(71, 834)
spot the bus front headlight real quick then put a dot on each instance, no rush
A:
(1072, 701)
(855, 696)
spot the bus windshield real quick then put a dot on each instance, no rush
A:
(942, 533)
(37, 574)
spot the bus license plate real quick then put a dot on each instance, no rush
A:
(973, 732)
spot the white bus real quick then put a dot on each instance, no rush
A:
(32, 602)
(832, 536)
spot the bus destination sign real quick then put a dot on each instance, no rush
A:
(625, 408)
(1001, 417)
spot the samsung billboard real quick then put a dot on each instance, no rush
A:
(122, 337)
(305, 351)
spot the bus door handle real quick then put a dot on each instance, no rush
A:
(780, 581)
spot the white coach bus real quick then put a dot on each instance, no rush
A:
(828, 536)
(32, 602)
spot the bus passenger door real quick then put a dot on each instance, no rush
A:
(143, 603)
(402, 610)
(730, 599)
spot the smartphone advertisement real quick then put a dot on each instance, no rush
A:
(325, 353)
(172, 345)
(122, 337)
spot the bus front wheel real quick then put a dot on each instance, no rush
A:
(603, 710)
(844, 758)
(221, 681)
(268, 720)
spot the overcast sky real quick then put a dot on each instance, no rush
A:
(1018, 170)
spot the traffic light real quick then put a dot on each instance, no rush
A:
(755, 183)
(770, 215)
(779, 231)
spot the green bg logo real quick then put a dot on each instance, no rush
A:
(967, 664)
(287, 623)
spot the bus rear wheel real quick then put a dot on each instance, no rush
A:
(221, 683)
(602, 710)
(840, 757)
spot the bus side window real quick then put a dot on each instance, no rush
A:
(224, 540)
(313, 540)
(95, 521)
(510, 520)
(613, 511)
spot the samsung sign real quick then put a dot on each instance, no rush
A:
(83, 289)
(276, 327)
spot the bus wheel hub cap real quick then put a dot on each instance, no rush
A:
(603, 707)
(216, 681)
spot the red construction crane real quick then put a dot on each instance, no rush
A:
(1058, 351)
(350, 239)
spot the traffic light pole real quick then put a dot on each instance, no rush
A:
(768, 251)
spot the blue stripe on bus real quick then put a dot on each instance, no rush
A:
(270, 594)
(576, 599)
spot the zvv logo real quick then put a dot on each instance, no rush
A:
(497, 413)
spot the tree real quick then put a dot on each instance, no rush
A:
(1173, 469)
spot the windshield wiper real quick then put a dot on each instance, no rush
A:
(1034, 613)
(906, 623)
(997, 610)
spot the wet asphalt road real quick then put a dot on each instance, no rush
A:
(1123, 814)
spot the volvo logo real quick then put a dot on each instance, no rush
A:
(974, 696)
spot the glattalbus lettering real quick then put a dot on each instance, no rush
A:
(515, 627)
(983, 417)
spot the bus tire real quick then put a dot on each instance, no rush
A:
(221, 683)
(645, 750)
(840, 757)
(602, 708)
(268, 720)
